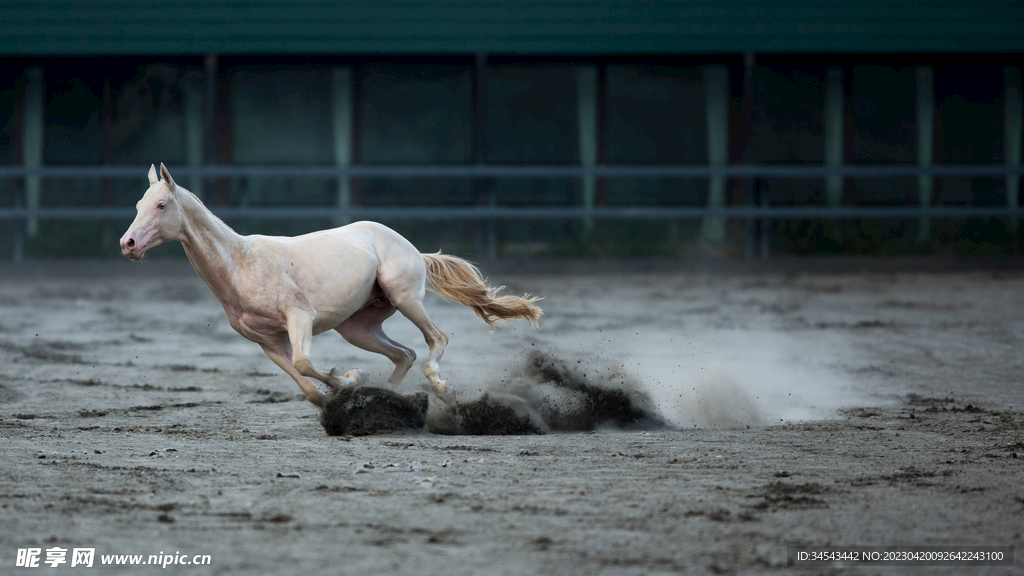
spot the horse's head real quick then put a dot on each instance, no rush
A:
(159, 219)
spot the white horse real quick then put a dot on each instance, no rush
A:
(279, 292)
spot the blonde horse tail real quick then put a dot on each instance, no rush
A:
(458, 280)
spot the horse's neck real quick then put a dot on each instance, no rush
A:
(213, 248)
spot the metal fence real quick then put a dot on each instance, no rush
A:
(763, 211)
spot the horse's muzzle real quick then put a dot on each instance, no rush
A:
(131, 249)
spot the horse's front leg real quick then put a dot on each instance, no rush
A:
(280, 355)
(300, 334)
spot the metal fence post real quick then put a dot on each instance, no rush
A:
(19, 226)
(1013, 119)
(834, 137)
(925, 143)
(341, 115)
(716, 102)
(486, 236)
(32, 141)
(748, 145)
(766, 222)
(192, 86)
(587, 122)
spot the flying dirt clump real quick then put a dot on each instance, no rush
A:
(369, 410)
(546, 394)
(571, 401)
(491, 414)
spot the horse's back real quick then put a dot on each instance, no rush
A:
(362, 234)
(351, 259)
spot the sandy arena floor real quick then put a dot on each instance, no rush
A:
(811, 409)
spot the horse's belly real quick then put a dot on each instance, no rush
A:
(330, 313)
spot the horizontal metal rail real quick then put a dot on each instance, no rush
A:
(536, 213)
(489, 214)
(525, 171)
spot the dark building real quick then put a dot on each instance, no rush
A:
(395, 104)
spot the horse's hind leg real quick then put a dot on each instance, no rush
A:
(413, 309)
(363, 329)
(300, 334)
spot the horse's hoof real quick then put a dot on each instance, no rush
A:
(355, 377)
(445, 393)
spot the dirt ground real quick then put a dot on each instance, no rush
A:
(835, 407)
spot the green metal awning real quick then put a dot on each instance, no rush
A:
(151, 27)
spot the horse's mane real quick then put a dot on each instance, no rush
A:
(190, 193)
(201, 203)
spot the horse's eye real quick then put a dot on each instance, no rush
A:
(161, 205)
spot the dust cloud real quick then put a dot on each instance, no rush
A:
(736, 379)
(719, 380)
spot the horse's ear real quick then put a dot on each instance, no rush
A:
(166, 176)
(152, 175)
